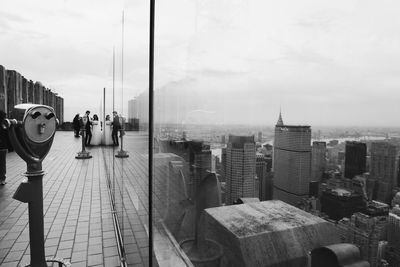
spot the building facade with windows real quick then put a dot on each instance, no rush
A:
(355, 159)
(240, 169)
(383, 169)
(292, 162)
(318, 160)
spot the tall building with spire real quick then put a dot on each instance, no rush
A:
(292, 162)
(280, 121)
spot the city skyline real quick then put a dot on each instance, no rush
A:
(337, 62)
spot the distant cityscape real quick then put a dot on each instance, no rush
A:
(350, 179)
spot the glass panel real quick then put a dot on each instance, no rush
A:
(239, 87)
(191, 75)
(130, 160)
(127, 162)
(62, 54)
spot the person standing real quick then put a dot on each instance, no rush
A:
(4, 145)
(96, 131)
(107, 132)
(77, 125)
(88, 129)
(116, 126)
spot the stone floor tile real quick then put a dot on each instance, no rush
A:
(14, 256)
(95, 249)
(112, 261)
(78, 256)
(95, 259)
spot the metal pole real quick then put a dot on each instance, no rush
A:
(31, 192)
(122, 64)
(113, 90)
(83, 154)
(104, 107)
(122, 141)
(83, 139)
(121, 153)
(151, 107)
(36, 225)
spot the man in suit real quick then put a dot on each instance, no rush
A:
(116, 127)
(88, 129)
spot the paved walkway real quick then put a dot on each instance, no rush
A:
(77, 210)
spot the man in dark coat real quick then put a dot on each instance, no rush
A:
(88, 129)
(4, 145)
(116, 126)
(77, 125)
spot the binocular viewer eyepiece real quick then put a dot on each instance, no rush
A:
(32, 131)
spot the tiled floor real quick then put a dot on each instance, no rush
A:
(77, 209)
(132, 207)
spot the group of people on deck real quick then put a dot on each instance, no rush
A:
(96, 134)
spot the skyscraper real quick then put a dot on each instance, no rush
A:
(338, 203)
(394, 237)
(318, 160)
(223, 164)
(383, 169)
(240, 169)
(261, 171)
(223, 139)
(292, 162)
(260, 137)
(132, 109)
(366, 231)
(133, 119)
(199, 163)
(355, 159)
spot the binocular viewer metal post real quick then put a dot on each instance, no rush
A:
(122, 153)
(31, 133)
(83, 154)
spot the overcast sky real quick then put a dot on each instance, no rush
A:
(324, 62)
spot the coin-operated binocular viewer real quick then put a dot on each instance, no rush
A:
(122, 153)
(83, 154)
(31, 133)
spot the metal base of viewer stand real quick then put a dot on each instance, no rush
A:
(83, 155)
(54, 262)
(122, 154)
